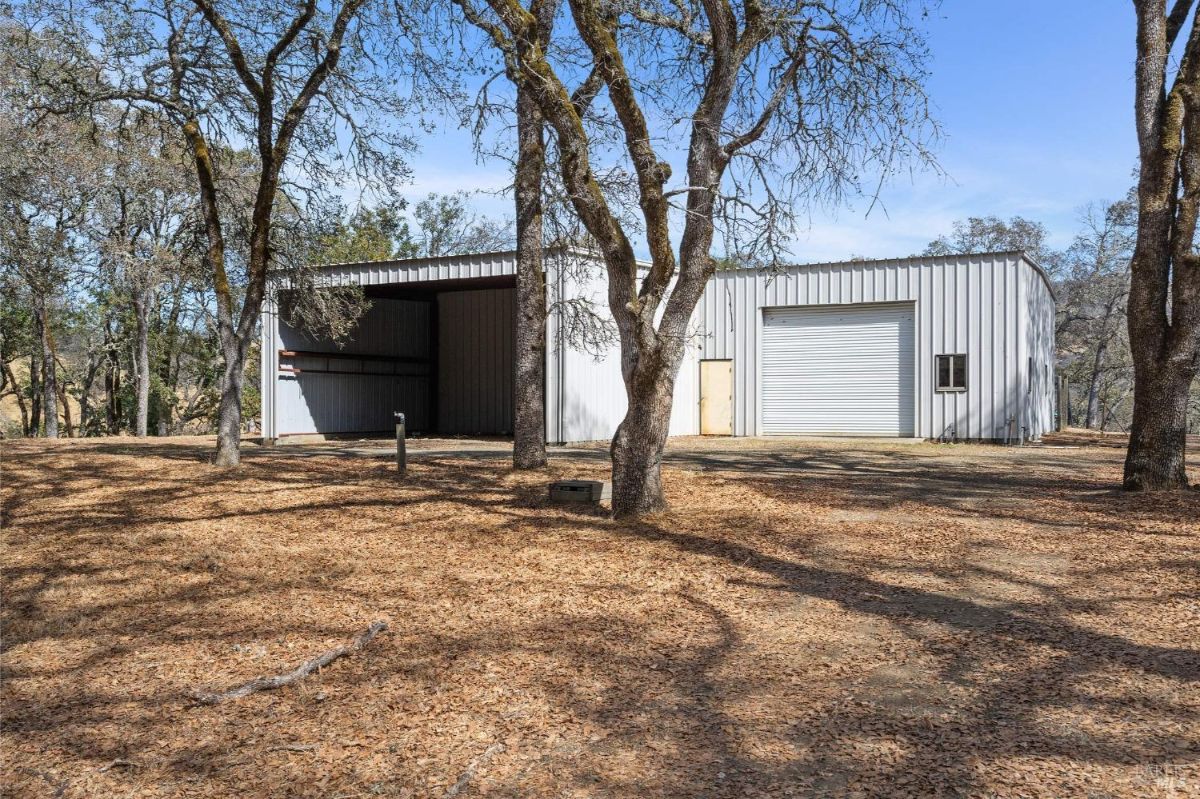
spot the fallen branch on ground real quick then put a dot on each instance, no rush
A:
(469, 774)
(118, 763)
(280, 680)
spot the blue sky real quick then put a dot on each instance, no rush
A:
(1035, 100)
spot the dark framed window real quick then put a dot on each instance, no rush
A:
(952, 373)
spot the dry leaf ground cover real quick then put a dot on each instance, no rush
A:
(811, 619)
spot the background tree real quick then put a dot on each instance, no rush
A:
(368, 234)
(1164, 293)
(312, 87)
(993, 234)
(446, 225)
(47, 183)
(16, 341)
(440, 224)
(1090, 279)
(149, 223)
(533, 196)
(1093, 289)
(779, 102)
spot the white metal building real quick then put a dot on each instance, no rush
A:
(437, 345)
(958, 347)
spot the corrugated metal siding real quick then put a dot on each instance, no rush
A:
(268, 365)
(975, 304)
(389, 327)
(838, 370)
(585, 393)
(1041, 349)
(312, 402)
(476, 331)
(685, 407)
(421, 270)
(964, 304)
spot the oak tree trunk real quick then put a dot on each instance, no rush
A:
(229, 410)
(112, 404)
(112, 381)
(1158, 438)
(66, 409)
(234, 334)
(141, 311)
(35, 393)
(49, 376)
(1164, 288)
(1093, 403)
(529, 422)
(650, 366)
(637, 448)
(166, 359)
(85, 393)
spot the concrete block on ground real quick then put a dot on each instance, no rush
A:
(580, 490)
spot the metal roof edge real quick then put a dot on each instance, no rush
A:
(401, 262)
(1037, 267)
(1020, 254)
(417, 260)
(581, 251)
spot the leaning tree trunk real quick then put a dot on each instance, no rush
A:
(1158, 438)
(529, 417)
(20, 396)
(141, 312)
(66, 409)
(1093, 403)
(49, 375)
(112, 398)
(235, 346)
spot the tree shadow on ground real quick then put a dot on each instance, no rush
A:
(650, 670)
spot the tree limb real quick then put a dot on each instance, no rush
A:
(772, 105)
(302, 671)
(1176, 18)
(652, 173)
(236, 55)
(469, 773)
(583, 96)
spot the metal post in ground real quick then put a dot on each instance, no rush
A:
(401, 452)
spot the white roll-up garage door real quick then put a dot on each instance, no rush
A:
(838, 370)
